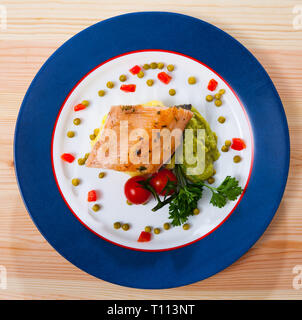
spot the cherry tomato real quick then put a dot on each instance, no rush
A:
(134, 192)
(160, 179)
(144, 237)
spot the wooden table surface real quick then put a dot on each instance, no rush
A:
(35, 29)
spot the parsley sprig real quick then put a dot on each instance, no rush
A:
(186, 195)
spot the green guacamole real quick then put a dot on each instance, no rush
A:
(209, 144)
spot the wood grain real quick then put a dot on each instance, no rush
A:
(35, 30)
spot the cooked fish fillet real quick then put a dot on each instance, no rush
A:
(140, 149)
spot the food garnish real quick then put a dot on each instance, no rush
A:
(164, 77)
(67, 157)
(135, 70)
(134, 191)
(123, 77)
(184, 200)
(191, 80)
(101, 93)
(117, 225)
(170, 67)
(79, 107)
(128, 87)
(75, 181)
(148, 229)
(237, 159)
(209, 98)
(153, 65)
(156, 230)
(140, 74)
(212, 85)
(110, 84)
(92, 196)
(172, 92)
(96, 207)
(221, 119)
(167, 226)
(160, 65)
(238, 144)
(70, 134)
(218, 103)
(125, 227)
(144, 237)
(101, 175)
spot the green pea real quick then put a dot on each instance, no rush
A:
(117, 225)
(75, 181)
(153, 65)
(92, 136)
(125, 227)
(101, 93)
(101, 175)
(237, 159)
(160, 65)
(148, 229)
(70, 134)
(221, 119)
(186, 226)
(191, 80)
(85, 103)
(224, 149)
(123, 78)
(157, 231)
(218, 103)
(76, 121)
(211, 180)
(81, 161)
(170, 67)
(146, 66)
(217, 96)
(150, 82)
(196, 211)
(167, 226)
(110, 84)
(172, 92)
(228, 143)
(129, 203)
(140, 74)
(221, 91)
(95, 207)
(96, 131)
(209, 98)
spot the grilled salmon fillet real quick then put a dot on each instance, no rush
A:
(137, 141)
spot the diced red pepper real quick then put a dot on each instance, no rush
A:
(212, 85)
(67, 157)
(92, 196)
(163, 77)
(144, 237)
(79, 107)
(238, 144)
(128, 87)
(135, 70)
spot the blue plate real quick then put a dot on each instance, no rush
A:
(110, 38)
